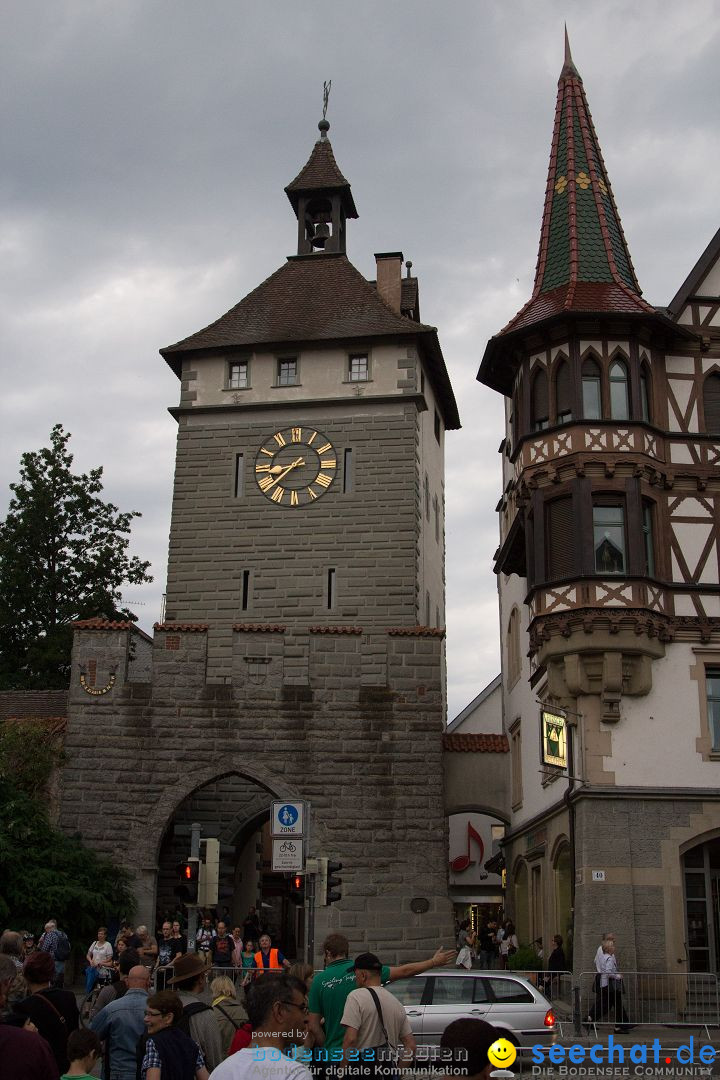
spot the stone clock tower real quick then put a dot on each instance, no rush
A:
(301, 653)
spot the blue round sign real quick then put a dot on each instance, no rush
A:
(288, 815)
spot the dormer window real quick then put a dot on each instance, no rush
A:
(287, 371)
(358, 370)
(239, 375)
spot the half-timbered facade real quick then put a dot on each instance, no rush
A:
(609, 579)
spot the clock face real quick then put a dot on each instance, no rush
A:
(295, 466)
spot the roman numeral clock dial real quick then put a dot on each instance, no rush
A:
(295, 466)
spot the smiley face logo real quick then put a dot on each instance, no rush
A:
(502, 1053)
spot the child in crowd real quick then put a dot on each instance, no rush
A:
(83, 1051)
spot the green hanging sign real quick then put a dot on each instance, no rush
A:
(553, 738)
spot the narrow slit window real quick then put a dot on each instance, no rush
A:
(438, 429)
(330, 589)
(427, 608)
(347, 471)
(436, 510)
(245, 590)
(239, 474)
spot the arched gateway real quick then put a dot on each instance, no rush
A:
(302, 652)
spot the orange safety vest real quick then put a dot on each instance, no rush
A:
(274, 962)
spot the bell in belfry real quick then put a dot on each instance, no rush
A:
(321, 234)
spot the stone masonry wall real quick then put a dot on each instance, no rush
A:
(359, 736)
(368, 534)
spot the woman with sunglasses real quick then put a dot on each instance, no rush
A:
(169, 1053)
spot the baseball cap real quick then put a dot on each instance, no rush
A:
(366, 961)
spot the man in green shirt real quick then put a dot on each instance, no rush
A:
(330, 988)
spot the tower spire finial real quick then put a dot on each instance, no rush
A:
(324, 125)
(569, 65)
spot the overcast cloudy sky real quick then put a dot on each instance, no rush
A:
(146, 144)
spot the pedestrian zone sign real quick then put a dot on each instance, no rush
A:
(288, 854)
(553, 738)
(288, 819)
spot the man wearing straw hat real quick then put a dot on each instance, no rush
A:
(189, 982)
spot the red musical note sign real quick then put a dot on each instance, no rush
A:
(462, 862)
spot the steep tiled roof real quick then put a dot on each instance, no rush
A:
(583, 262)
(321, 173)
(319, 297)
(477, 743)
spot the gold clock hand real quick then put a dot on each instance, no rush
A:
(272, 469)
(286, 470)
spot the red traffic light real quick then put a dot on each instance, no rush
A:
(297, 882)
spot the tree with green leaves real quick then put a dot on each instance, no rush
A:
(44, 872)
(63, 556)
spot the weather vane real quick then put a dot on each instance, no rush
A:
(326, 95)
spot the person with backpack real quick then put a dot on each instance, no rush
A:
(169, 1053)
(55, 942)
(229, 1012)
(198, 1019)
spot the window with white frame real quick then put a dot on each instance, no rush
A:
(238, 374)
(358, 367)
(287, 371)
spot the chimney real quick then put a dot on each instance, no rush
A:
(389, 277)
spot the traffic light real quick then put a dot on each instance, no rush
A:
(189, 879)
(332, 887)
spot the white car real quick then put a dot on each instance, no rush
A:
(508, 1001)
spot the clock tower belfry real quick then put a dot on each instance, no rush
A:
(301, 654)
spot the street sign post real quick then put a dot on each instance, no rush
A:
(288, 854)
(288, 819)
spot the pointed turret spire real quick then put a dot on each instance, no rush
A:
(583, 263)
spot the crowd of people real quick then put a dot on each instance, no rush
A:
(263, 1017)
(259, 1005)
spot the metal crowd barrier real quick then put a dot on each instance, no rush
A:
(677, 999)
(161, 976)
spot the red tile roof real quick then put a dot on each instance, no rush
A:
(335, 629)
(319, 297)
(258, 628)
(416, 631)
(477, 743)
(182, 627)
